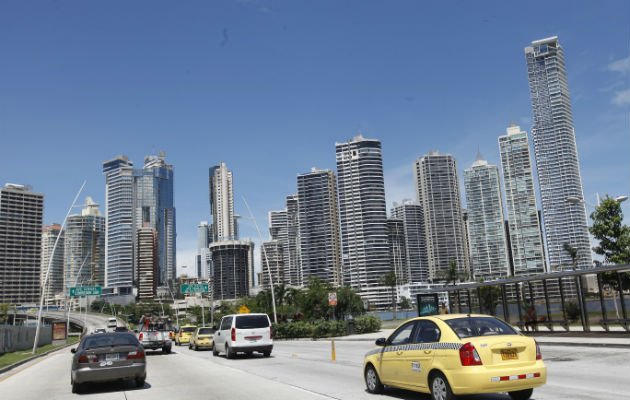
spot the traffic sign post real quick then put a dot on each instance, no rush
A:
(195, 288)
(80, 291)
(332, 301)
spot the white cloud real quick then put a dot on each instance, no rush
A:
(622, 65)
(621, 98)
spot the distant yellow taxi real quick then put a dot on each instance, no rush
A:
(184, 333)
(202, 338)
(456, 354)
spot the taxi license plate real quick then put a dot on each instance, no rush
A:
(111, 357)
(509, 354)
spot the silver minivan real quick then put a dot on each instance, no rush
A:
(243, 333)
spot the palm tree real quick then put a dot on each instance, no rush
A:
(452, 275)
(573, 253)
(389, 279)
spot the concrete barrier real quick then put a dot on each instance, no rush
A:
(15, 338)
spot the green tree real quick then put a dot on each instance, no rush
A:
(573, 253)
(452, 275)
(348, 303)
(389, 279)
(405, 303)
(490, 297)
(314, 302)
(613, 237)
(4, 312)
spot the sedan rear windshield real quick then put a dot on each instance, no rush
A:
(111, 339)
(206, 331)
(251, 321)
(479, 326)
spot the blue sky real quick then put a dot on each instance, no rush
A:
(269, 86)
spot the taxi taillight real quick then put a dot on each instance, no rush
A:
(141, 336)
(170, 335)
(180, 334)
(468, 355)
(234, 334)
(538, 353)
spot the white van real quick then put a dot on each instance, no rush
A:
(243, 333)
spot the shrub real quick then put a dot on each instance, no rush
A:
(573, 311)
(367, 324)
(290, 330)
(329, 329)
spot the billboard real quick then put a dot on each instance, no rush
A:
(427, 304)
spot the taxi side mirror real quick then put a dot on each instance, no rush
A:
(381, 342)
(73, 350)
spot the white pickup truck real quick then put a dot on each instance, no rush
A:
(154, 333)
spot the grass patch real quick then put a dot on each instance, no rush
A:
(11, 358)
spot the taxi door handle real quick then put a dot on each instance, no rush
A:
(427, 352)
(399, 352)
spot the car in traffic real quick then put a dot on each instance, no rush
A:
(105, 357)
(456, 354)
(184, 333)
(244, 333)
(202, 338)
(155, 333)
(100, 330)
(112, 323)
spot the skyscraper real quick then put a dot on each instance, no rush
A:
(397, 250)
(520, 198)
(147, 262)
(283, 227)
(233, 264)
(222, 204)
(415, 244)
(271, 259)
(437, 188)
(153, 204)
(119, 226)
(363, 218)
(485, 220)
(204, 258)
(55, 276)
(84, 246)
(318, 222)
(555, 148)
(21, 213)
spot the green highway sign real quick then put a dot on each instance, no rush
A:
(79, 291)
(195, 288)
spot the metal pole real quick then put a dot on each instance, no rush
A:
(623, 301)
(549, 321)
(564, 309)
(602, 303)
(273, 297)
(506, 306)
(52, 256)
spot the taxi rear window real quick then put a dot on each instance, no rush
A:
(251, 321)
(479, 326)
(206, 331)
(189, 329)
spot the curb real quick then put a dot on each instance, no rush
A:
(17, 364)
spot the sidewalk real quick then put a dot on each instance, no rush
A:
(573, 338)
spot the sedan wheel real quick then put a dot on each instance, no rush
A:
(372, 381)
(440, 389)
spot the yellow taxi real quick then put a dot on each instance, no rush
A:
(456, 354)
(184, 333)
(202, 338)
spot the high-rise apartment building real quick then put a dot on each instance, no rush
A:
(233, 265)
(437, 188)
(153, 204)
(363, 218)
(283, 227)
(54, 285)
(410, 212)
(397, 250)
(204, 258)
(556, 153)
(224, 226)
(84, 248)
(21, 214)
(272, 261)
(318, 222)
(119, 216)
(520, 197)
(489, 257)
(147, 262)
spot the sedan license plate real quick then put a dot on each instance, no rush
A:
(111, 357)
(509, 354)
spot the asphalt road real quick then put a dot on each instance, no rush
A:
(303, 370)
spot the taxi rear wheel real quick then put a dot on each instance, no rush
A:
(521, 394)
(372, 380)
(440, 389)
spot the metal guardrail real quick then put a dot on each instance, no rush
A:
(514, 286)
